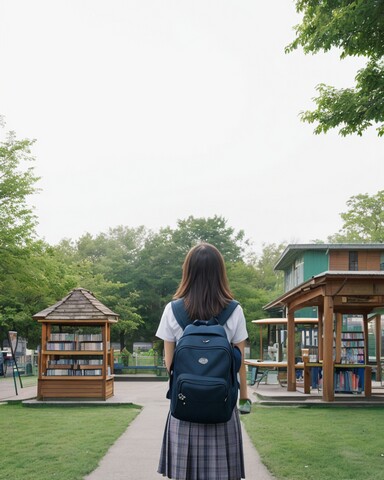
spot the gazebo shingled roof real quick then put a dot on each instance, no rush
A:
(78, 305)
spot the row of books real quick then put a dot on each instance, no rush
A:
(352, 355)
(61, 346)
(346, 381)
(72, 337)
(67, 346)
(76, 361)
(352, 335)
(91, 346)
(352, 343)
(62, 372)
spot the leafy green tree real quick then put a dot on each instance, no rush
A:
(31, 280)
(214, 230)
(105, 265)
(18, 269)
(17, 220)
(356, 28)
(363, 221)
(254, 284)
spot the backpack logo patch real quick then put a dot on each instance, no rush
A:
(203, 360)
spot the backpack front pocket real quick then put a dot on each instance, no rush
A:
(201, 399)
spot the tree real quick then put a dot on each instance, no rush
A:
(214, 230)
(105, 265)
(363, 221)
(17, 220)
(356, 28)
(31, 279)
(254, 284)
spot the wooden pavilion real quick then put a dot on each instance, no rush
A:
(335, 293)
(76, 358)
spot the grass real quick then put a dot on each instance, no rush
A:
(58, 443)
(319, 443)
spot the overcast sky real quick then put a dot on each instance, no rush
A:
(149, 111)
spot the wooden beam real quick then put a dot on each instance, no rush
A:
(378, 347)
(291, 372)
(261, 343)
(328, 370)
(356, 286)
(311, 297)
(320, 315)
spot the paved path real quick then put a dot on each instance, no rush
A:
(135, 455)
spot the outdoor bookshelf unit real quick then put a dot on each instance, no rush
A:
(348, 378)
(76, 359)
(352, 347)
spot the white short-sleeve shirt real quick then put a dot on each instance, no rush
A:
(235, 327)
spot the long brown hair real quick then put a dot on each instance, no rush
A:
(204, 283)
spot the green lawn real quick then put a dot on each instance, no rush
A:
(57, 443)
(319, 443)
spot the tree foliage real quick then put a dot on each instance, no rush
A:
(356, 28)
(32, 275)
(17, 220)
(363, 221)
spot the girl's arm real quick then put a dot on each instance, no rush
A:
(242, 373)
(169, 349)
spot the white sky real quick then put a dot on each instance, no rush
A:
(149, 111)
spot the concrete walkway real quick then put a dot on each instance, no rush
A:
(135, 455)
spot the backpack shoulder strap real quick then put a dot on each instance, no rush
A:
(227, 312)
(180, 313)
(183, 319)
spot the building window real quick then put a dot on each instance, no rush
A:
(298, 269)
(353, 261)
(382, 261)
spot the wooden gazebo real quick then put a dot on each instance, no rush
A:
(76, 358)
(334, 293)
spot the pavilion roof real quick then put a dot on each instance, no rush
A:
(79, 305)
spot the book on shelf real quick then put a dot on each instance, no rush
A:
(61, 345)
(89, 361)
(52, 372)
(61, 361)
(62, 337)
(346, 381)
(92, 373)
(68, 372)
(89, 337)
(96, 346)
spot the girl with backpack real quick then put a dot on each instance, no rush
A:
(204, 451)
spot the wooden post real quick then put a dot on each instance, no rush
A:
(261, 343)
(320, 315)
(328, 370)
(291, 371)
(368, 381)
(365, 330)
(105, 337)
(378, 347)
(339, 324)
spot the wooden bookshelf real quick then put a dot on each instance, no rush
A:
(352, 347)
(75, 359)
(348, 378)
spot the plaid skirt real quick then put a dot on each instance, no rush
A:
(197, 451)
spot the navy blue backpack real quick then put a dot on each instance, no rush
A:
(203, 378)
